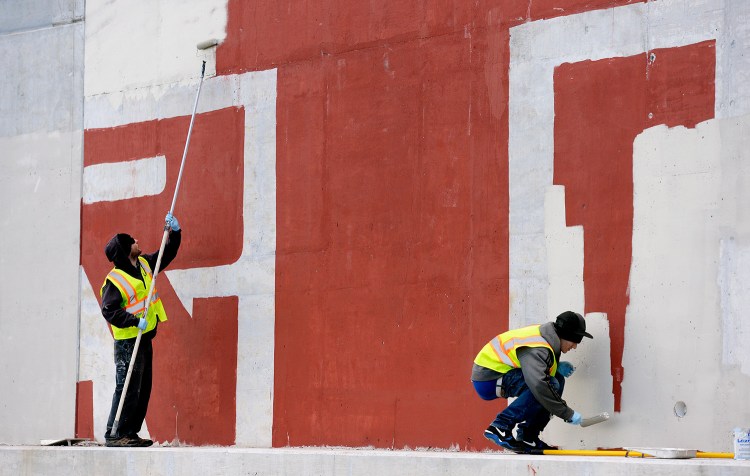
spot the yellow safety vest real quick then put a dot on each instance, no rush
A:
(500, 353)
(134, 293)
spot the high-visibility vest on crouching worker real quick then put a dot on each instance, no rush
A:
(134, 293)
(500, 353)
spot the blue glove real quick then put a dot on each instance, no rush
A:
(142, 323)
(575, 419)
(565, 369)
(171, 222)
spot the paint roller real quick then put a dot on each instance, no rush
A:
(604, 416)
(206, 44)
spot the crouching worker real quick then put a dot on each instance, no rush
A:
(525, 364)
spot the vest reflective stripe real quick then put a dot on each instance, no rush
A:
(126, 289)
(500, 353)
(134, 305)
(146, 267)
(134, 293)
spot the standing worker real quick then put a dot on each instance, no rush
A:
(124, 294)
(525, 363)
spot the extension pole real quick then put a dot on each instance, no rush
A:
(164, 237)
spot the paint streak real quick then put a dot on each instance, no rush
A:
(600, 107)
(195, 357)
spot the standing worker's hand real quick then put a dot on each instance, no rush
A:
(566, 369)
(142, 323)
(575, 419)
(171, 222)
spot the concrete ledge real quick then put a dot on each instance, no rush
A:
(205, 461)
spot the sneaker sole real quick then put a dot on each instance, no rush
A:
(504, 444)
(493, 438)
(542, 448)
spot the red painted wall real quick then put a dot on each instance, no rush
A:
(390, 262)
(392, 240)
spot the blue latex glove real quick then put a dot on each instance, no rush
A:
(565, 369)
(142, 323)
(171, 222)
(575, 419)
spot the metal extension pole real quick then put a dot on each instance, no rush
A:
(164, 237)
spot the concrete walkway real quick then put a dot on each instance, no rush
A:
(206, 461)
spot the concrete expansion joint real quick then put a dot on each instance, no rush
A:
(70, 21)
(35, 28)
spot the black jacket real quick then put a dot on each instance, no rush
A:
(112, 309)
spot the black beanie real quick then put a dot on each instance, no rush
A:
(118, 247)
(571, 326)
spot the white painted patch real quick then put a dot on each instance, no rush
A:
(564, 247)
(133, 44)
(588, 391)
(536, 48)
(123, 180)
(671, 330)
(685, 205)
(252, 276)
(688, 293)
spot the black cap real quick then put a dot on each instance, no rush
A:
(571, 326)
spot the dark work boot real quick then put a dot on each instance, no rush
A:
(141, 442)
(123, 442)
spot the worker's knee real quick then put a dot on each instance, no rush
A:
(486, 390)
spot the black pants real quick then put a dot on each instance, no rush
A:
(139, 388)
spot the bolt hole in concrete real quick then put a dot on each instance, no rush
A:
(680, 409)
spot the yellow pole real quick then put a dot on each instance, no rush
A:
(701, 454)
(627, 453)
(634, 454)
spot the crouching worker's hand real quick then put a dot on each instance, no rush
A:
(142, 323)
(575, 419)
(565, 369)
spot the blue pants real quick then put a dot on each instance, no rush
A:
(525, 411)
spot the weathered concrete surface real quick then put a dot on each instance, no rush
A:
(426, 170)
(41, 134)
(43, 461)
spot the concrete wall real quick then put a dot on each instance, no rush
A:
(372, 192)
(41, 136)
